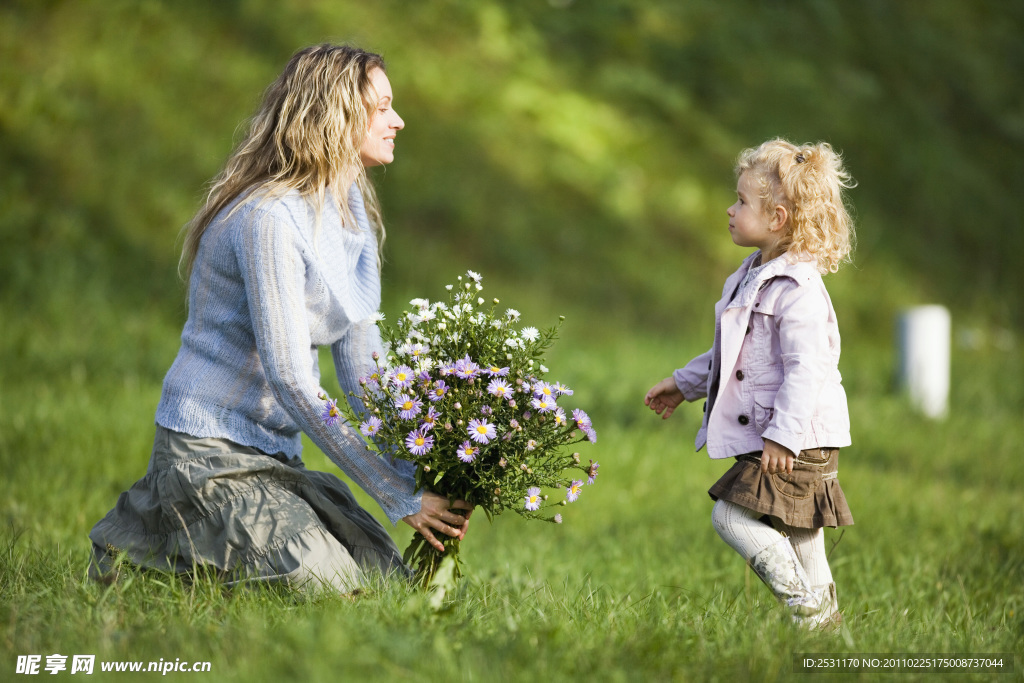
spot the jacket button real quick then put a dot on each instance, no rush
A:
(744, 419)
(739, 375)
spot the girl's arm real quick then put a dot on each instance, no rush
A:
(692, 378)
(274, 275)
(801, 319)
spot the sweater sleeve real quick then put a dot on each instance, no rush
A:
(274, 275)
(353, 358)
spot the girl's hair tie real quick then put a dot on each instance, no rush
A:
(799, 158)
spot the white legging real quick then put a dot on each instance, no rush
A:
(744, 531)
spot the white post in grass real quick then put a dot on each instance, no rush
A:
(924, 357)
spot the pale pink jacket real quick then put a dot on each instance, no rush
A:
(773, 370)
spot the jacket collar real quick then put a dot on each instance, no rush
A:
(800, 270)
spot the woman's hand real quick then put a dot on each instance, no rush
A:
(776, 458)
(664, 397)
(438, 514)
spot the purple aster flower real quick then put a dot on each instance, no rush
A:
(371, 426)
(561, 389)
(430, 419)
(499, 388)
(514, 424)
(438, 391)
(558, 519)
(591, 434)
(573, 492)
(481, 431)
(495, 371)
(419, 442)
(533, 499)
(487, 410)
(408, 406)
(465, 368)
(559, 417)
(543, 404)
(531, 445)
(402, 376)
(446, 369)
(592, 472)
(331, 414)
(581, 418)
(467, 452)
(542, 388)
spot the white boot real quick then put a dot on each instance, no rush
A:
(778, 567)
(828, 617)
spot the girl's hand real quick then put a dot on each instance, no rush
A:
(664, 397)
(776, 458)
(438, 514)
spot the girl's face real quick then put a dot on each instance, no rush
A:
(749, 226)
(379, 146)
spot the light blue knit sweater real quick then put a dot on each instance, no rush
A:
(267, 289)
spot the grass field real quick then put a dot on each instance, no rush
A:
(635, 585)
(575, 153)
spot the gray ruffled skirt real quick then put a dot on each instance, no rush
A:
(248, 515)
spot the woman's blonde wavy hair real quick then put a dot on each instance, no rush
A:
(306, 136)
(808, 180)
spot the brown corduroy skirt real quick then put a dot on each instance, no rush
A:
(808, 498)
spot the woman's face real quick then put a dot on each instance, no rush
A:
(379, 146)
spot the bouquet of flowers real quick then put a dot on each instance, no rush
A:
(464, 395)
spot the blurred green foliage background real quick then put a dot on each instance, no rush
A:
(579, 154)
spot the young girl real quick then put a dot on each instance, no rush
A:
(775, 401)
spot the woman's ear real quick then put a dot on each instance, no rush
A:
(779, 218)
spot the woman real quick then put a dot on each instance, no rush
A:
(282, 258)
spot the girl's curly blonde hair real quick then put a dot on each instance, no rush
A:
(808, 180)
